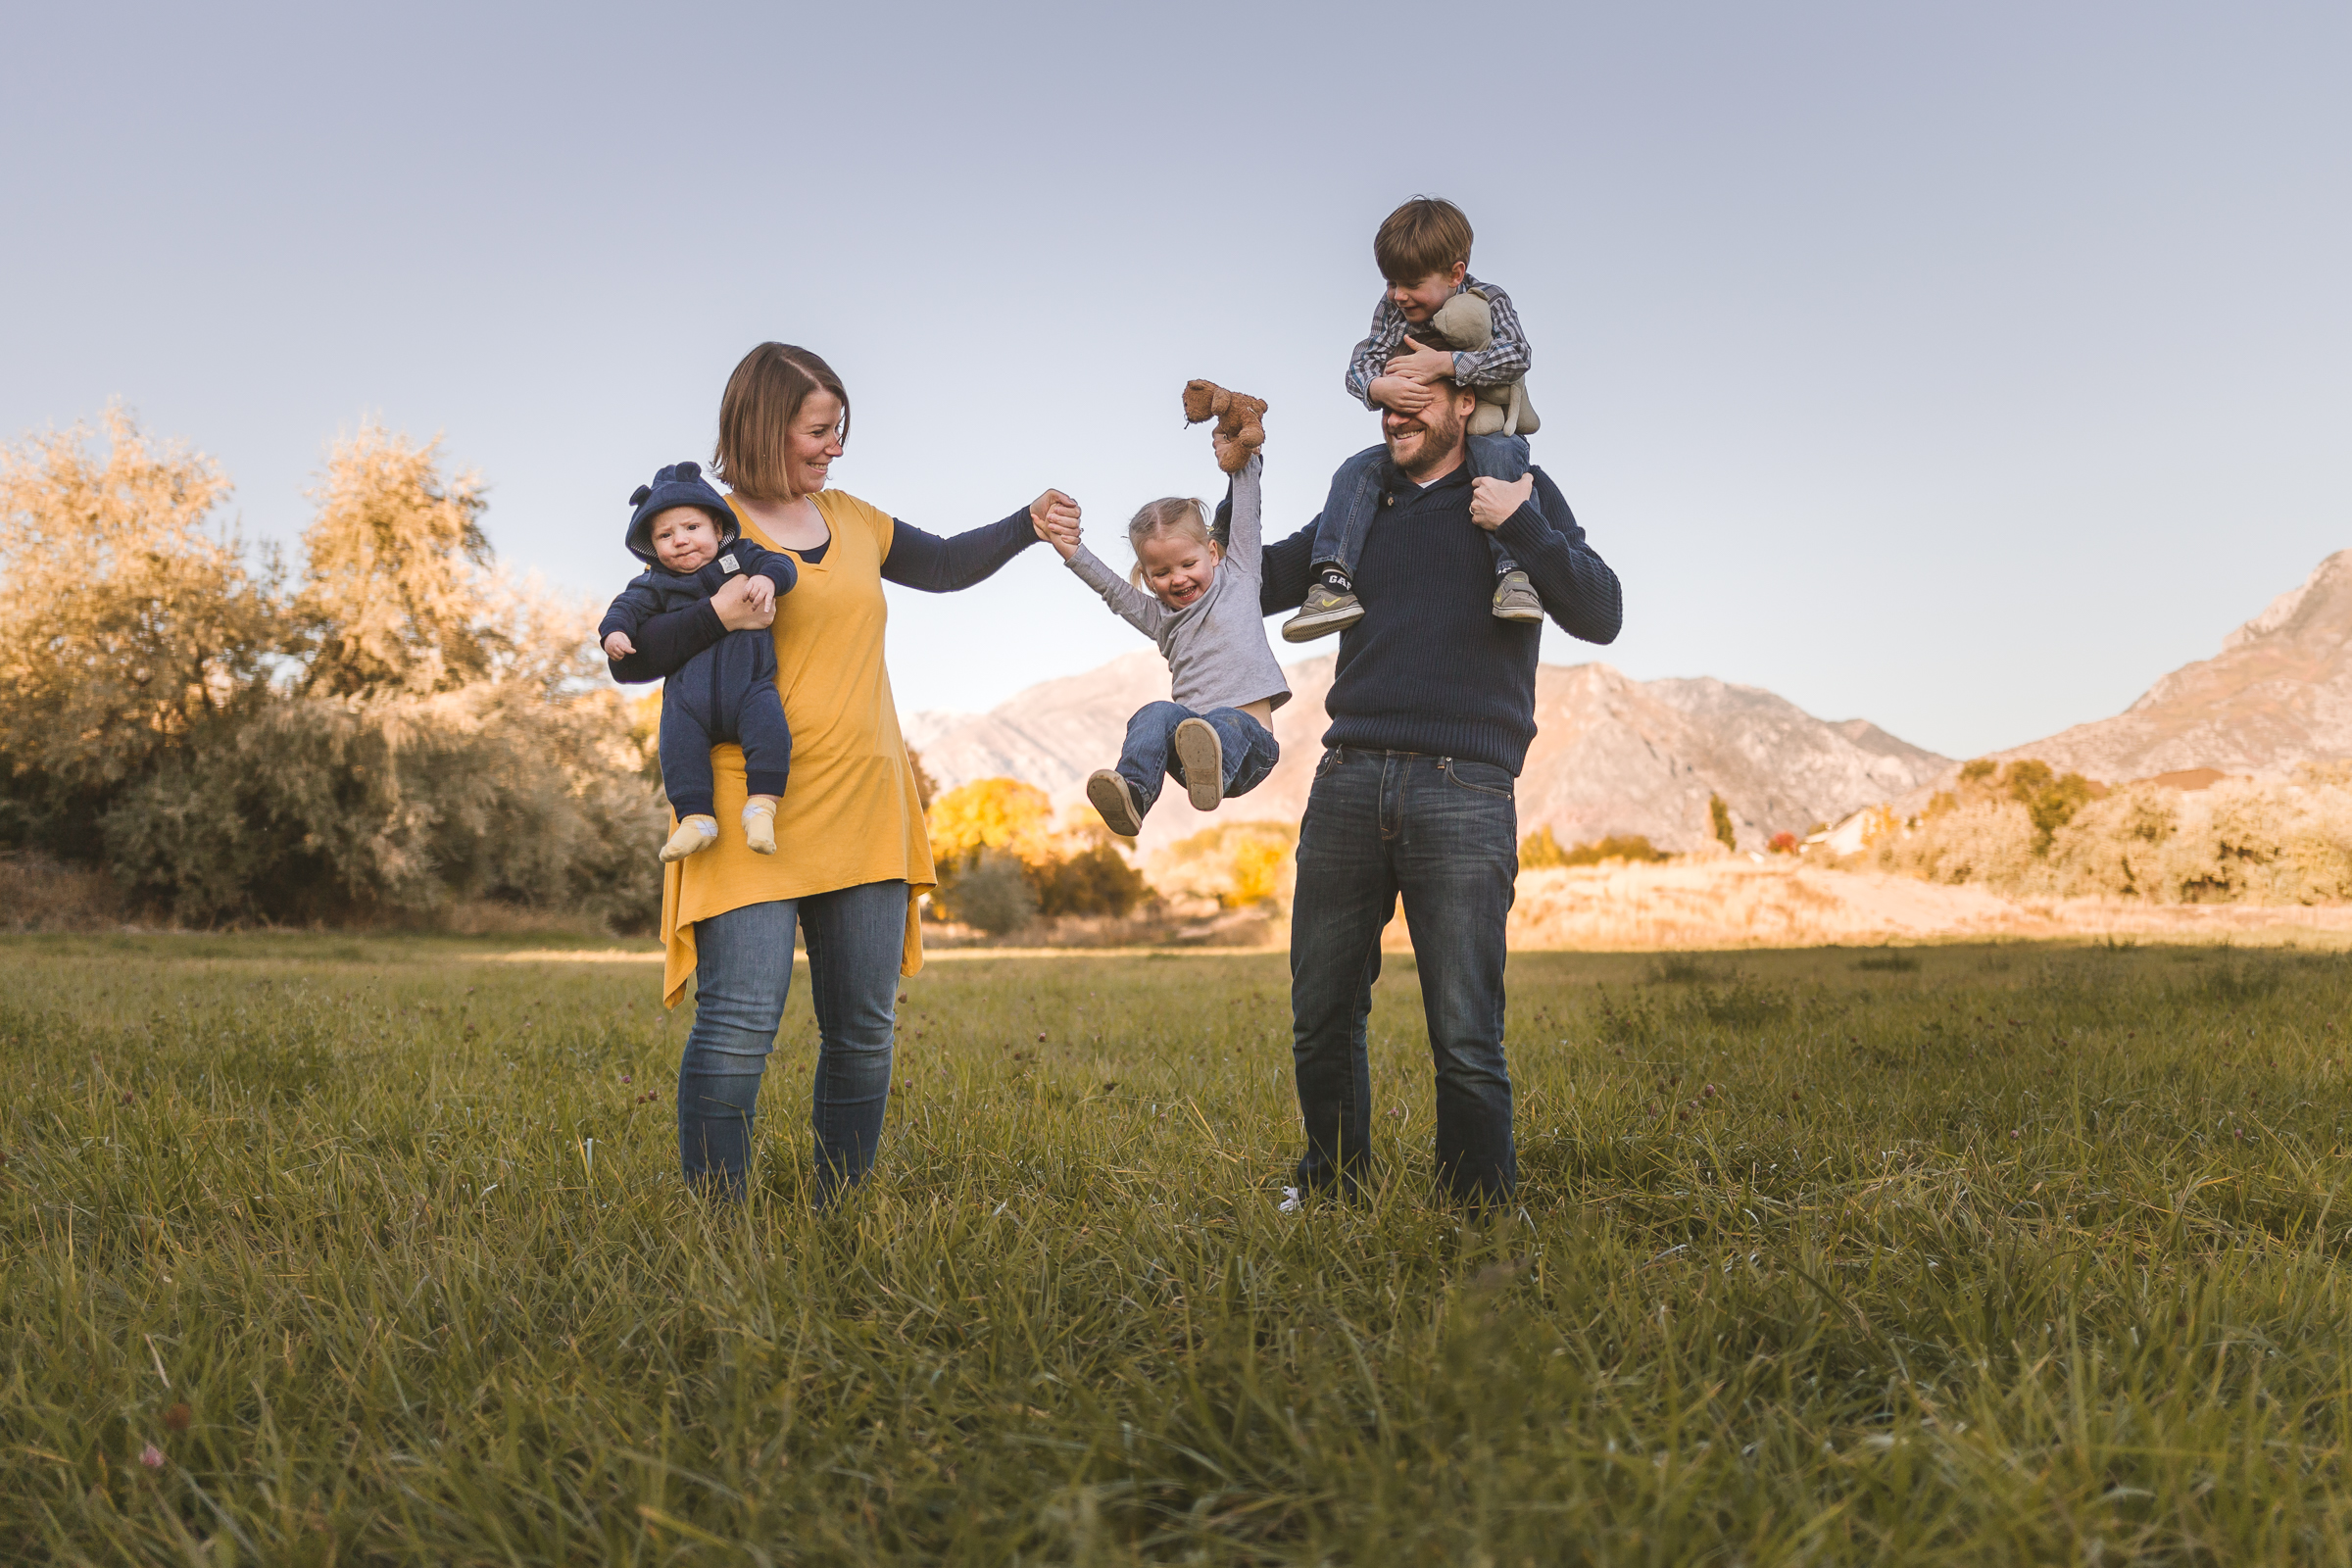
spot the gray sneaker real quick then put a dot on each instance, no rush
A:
(1515, 598)
(1323, 613)
(1108, 794)
(1203, 756)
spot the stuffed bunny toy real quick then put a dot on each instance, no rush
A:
(1465, 324)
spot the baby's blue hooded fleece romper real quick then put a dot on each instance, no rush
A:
(727, 692)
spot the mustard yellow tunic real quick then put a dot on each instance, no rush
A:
(851, 814)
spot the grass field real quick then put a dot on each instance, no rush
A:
(376, 1251)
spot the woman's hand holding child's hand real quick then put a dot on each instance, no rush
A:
(1053, 509)
(618, 646)
(1492, 500)
(736, 609)
(762, 593)
(1055, 517)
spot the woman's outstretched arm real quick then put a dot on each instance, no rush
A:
(935, 566)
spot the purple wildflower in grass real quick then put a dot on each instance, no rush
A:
(152, 1458)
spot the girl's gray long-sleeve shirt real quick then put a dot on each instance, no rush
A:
(1217, 646)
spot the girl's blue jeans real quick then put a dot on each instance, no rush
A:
(743, 972)
(1149, 755)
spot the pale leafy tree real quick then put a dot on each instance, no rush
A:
(395, 590)
(127, 617)
(435, 731)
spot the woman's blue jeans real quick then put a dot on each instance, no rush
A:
(743, 972)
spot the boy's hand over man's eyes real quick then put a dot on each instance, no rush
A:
(1404, 396)
(1422, 364)
(618, 646)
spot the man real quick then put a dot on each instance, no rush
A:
(1432, 709)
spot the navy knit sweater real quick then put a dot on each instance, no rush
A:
(1429, 668)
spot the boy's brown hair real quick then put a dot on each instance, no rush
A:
(1425, 236)
(755, 414)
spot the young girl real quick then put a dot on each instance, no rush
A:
(1202, 608)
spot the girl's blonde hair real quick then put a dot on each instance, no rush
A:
(1180, 514)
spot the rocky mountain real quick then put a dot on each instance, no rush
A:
(2279, 693)
(1613, 755)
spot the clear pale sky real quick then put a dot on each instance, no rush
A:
(1961, 368)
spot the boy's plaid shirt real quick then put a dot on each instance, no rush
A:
(1500, 364)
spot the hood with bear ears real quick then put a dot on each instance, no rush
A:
(680, 485)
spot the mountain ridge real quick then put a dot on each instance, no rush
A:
(1612, 754)
(2279, 693)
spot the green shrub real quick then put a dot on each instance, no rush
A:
(994, 894)
(308, 809)
(1096, 880)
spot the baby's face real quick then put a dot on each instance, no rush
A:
(685, 538)
(1177, 568)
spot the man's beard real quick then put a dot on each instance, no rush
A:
(1440, 435)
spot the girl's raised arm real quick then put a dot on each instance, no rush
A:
(1244, 523)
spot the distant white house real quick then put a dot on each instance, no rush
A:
(1853, 833)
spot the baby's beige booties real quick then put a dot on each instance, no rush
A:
(759, 825)
(694, 835)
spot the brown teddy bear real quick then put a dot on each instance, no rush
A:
(1239, 421)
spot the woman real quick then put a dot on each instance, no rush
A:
(853, 853)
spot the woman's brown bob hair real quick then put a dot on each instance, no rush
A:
(755, 417)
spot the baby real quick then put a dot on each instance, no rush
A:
(1198, 600)
(1434, 321)
(688, 538)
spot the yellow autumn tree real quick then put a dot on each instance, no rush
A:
(395, 592)
(130, 617)
(994, 830)
(1239, 864)
(992, 814)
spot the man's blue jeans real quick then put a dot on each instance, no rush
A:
(742, 974)
(1357, 488)
(1443, 833)
(1149, 755)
